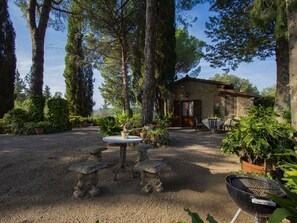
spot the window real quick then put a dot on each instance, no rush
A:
(188, 108)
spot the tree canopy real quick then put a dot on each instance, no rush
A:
(240, 84)
(189, 52)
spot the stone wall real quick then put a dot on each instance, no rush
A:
(192, 90)
(242, 104)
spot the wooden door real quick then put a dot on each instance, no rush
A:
(185, 111)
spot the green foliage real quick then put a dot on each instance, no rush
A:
(78, 71)
(265, 102)
(7, 60)
(235, 38)
(58, 114)
(109, 126)
(15, 119)
(287, 208)
(79, 121)
(47, 93)
(2, 126)
(111, 72)
(158, 136)
(287, 205)
(36, 107)
(42, 124)
(129, 123)
(75, 120)
(269, 91)
(188, 52)
(196, 218)
(240, 84)
(259, 136)
(20, 89)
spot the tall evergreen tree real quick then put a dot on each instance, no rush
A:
(20, 89)
(47, 93)
(165, 52)
(88, 89)
(7, 60)
(78, 74)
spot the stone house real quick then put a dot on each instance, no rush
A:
(192, 97)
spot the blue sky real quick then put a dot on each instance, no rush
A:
(260, 73)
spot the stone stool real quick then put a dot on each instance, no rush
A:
(142, 152)
(87, 176)
(150, 175)
(95, 152)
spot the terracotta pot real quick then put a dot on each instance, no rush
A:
(143, 134)
(39, 131)
(252, 168)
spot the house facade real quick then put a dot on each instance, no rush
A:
(192, 97)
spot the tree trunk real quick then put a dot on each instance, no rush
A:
(282, 95)
(125, 80)
(148, 96)
(37, 32)
(292, 31)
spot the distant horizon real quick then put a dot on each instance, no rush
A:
(262, 74)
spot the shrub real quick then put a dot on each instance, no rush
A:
(36, 108)
(2, 126)
(258, 137)
(14, 120)
(75, 120)
(109, 126)
(58, 114)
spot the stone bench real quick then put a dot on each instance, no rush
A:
(150, 175)
(95, 152)
(87, 177)
(142, 152)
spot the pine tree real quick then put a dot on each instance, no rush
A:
(7, 60)
(78, 74)
(47, 93)
(20, 89)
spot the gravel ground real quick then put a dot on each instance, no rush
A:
(36, 185)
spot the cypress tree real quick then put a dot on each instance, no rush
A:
(7, 60)
(20, 89)
(165, 48)
(78, 75)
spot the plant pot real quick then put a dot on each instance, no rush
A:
(124, 134)
(143, 134)
(39, 131)
(253, 168)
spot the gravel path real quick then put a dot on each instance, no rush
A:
(36, 185)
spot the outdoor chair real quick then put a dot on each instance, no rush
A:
(213, 124)
(198, 124)
(229, 124)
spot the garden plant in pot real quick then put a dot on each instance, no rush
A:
(257, 138)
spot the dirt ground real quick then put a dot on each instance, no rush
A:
(36, 185)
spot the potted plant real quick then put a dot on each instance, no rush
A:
(257, 137)
(143, 133)
(40, 126)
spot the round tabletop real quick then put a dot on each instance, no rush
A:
(118, 139)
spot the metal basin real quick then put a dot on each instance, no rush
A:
(250, 193)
